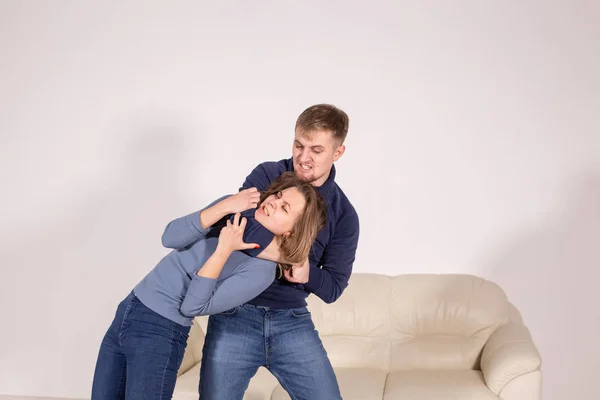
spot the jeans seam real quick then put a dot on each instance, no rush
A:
(126, 313)
(162, 384)
(267, 337)
(292, 396)
(182, 342)
(123, 381)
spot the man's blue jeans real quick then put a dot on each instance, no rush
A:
(139, 355)
(284, 341)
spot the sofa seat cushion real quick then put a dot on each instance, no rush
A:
(437, 385)
(355, 384)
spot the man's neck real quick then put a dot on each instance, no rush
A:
(321, 181)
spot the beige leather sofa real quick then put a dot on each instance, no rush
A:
(410, 337)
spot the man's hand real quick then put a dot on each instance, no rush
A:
(299, 272)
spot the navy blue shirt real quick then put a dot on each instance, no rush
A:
(253, 233)
(333, 253)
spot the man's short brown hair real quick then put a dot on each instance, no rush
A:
(324, 117)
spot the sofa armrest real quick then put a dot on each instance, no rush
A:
(509, 353)
(193, 350)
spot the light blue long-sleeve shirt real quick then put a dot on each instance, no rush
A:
(173, 290)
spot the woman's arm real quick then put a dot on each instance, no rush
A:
(184, 231)
(272, 253)
(206, 295)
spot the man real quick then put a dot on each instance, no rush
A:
(275, 329)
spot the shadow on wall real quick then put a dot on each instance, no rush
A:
(552, 275)
(75, 269)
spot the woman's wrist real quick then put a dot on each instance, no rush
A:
(213, 266)
(225, 206)
(222, 251)
(211, 215)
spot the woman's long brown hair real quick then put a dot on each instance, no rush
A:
(295, 247)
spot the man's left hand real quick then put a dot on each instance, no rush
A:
(299, 272)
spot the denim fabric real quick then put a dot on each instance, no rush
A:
(284, 341)
(139, 355)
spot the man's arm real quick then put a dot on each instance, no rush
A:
(262, 176)
(330, 281)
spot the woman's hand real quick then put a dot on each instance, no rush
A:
(236, 203)
(231, 236)
(242, 201)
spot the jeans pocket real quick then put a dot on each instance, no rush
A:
(129, 305)
(300, 312)
(181, 346)
(231, 311)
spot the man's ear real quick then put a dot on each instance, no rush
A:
(338, 152)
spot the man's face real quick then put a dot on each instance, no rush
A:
(314, 153)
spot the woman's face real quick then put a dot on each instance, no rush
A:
(279, 212)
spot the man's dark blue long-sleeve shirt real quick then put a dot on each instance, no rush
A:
(333, 253)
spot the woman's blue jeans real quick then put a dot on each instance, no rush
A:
(139, 355)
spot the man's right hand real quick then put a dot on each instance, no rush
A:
(242, 201)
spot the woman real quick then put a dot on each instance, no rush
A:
(204, 274)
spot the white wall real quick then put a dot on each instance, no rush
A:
(474, 147)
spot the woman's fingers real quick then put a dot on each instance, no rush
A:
(239, 224)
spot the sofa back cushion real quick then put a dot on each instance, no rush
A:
(410, 321)
(355, 329)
